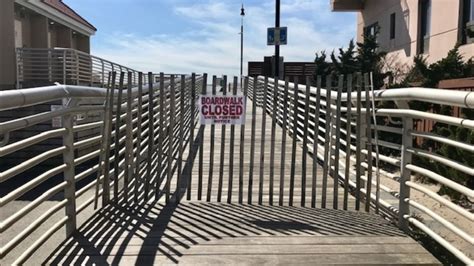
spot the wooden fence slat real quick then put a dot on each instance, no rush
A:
(348, 141)
(283, 143)
(262, 143)
(272, 140)
(252, 140)
(202, 128)
(327, 144)
(221, 166)
(170, 138)
(358, 141)
(231, 150)
(315, 142)
(211, 155)
(305, 142)
(191, 135)
(368, 142)
(294, 138)
(337, 144)
(117, 137)
(151, 137)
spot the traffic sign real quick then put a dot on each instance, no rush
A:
(277, 36)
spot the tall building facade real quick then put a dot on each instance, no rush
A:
(411, 27)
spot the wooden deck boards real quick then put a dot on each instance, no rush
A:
(195, 233)
(199, 232)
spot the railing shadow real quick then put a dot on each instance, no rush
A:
(162, 232)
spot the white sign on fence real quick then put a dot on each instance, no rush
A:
(220, 109)
(56, 121)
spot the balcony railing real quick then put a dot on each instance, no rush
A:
(38, 66)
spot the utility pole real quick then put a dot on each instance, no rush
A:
(277, 46)
(242, 14)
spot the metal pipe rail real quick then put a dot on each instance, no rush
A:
(66, 66)
(126, 125)
(343, 151)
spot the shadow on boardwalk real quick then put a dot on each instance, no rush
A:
(155, 233)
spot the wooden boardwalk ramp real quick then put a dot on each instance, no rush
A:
(204, 228)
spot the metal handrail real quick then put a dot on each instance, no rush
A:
(401, 97)
(131, 109)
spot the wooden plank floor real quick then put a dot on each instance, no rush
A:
(197, 232)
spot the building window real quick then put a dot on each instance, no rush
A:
(424, 26)
(392, 26)
(466, 21)
(371, 30)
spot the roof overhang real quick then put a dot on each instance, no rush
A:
(347, 5)
(54, 14)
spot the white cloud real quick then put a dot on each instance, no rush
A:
(213, 45)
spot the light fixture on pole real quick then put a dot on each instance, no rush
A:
(242, 14)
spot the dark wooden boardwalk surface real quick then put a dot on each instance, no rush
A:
(197, 232)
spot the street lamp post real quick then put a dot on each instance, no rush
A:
(277, 46)
(242, 14)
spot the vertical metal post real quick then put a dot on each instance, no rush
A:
(337, 144)
(191, 135)
(348, 141)
(315, 142)
(262, 141)
(283, 142)
(161, 132)
(128, 141)
(108, 137)
(241, 149)
(64, 68)
(328, 142)
(69, 173)
(170, 138)
(405, 174)
(272, 140)
(221, 167)
(305, 142)
(182, 99)
(202, 128)
(359, 131)
(151, 136)
(117, 138)
(231, 150)
(242, 14)
(293, 146)
(211, 155)
(277, 46)
(368, 143)
(138, 158)
(103, 72)
(252, 139)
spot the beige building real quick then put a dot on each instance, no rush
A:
(38, 24)
(412, 27)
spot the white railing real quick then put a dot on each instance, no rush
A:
(329, 114)
(66, 66)
(131, 123)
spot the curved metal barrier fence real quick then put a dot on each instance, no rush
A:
(139, 127)
(130, 124)
(353, 147)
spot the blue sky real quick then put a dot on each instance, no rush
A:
(183, 36)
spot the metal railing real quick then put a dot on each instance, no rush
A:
(65, 66)
(141, 129)
(343, 124)
(132, 122)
